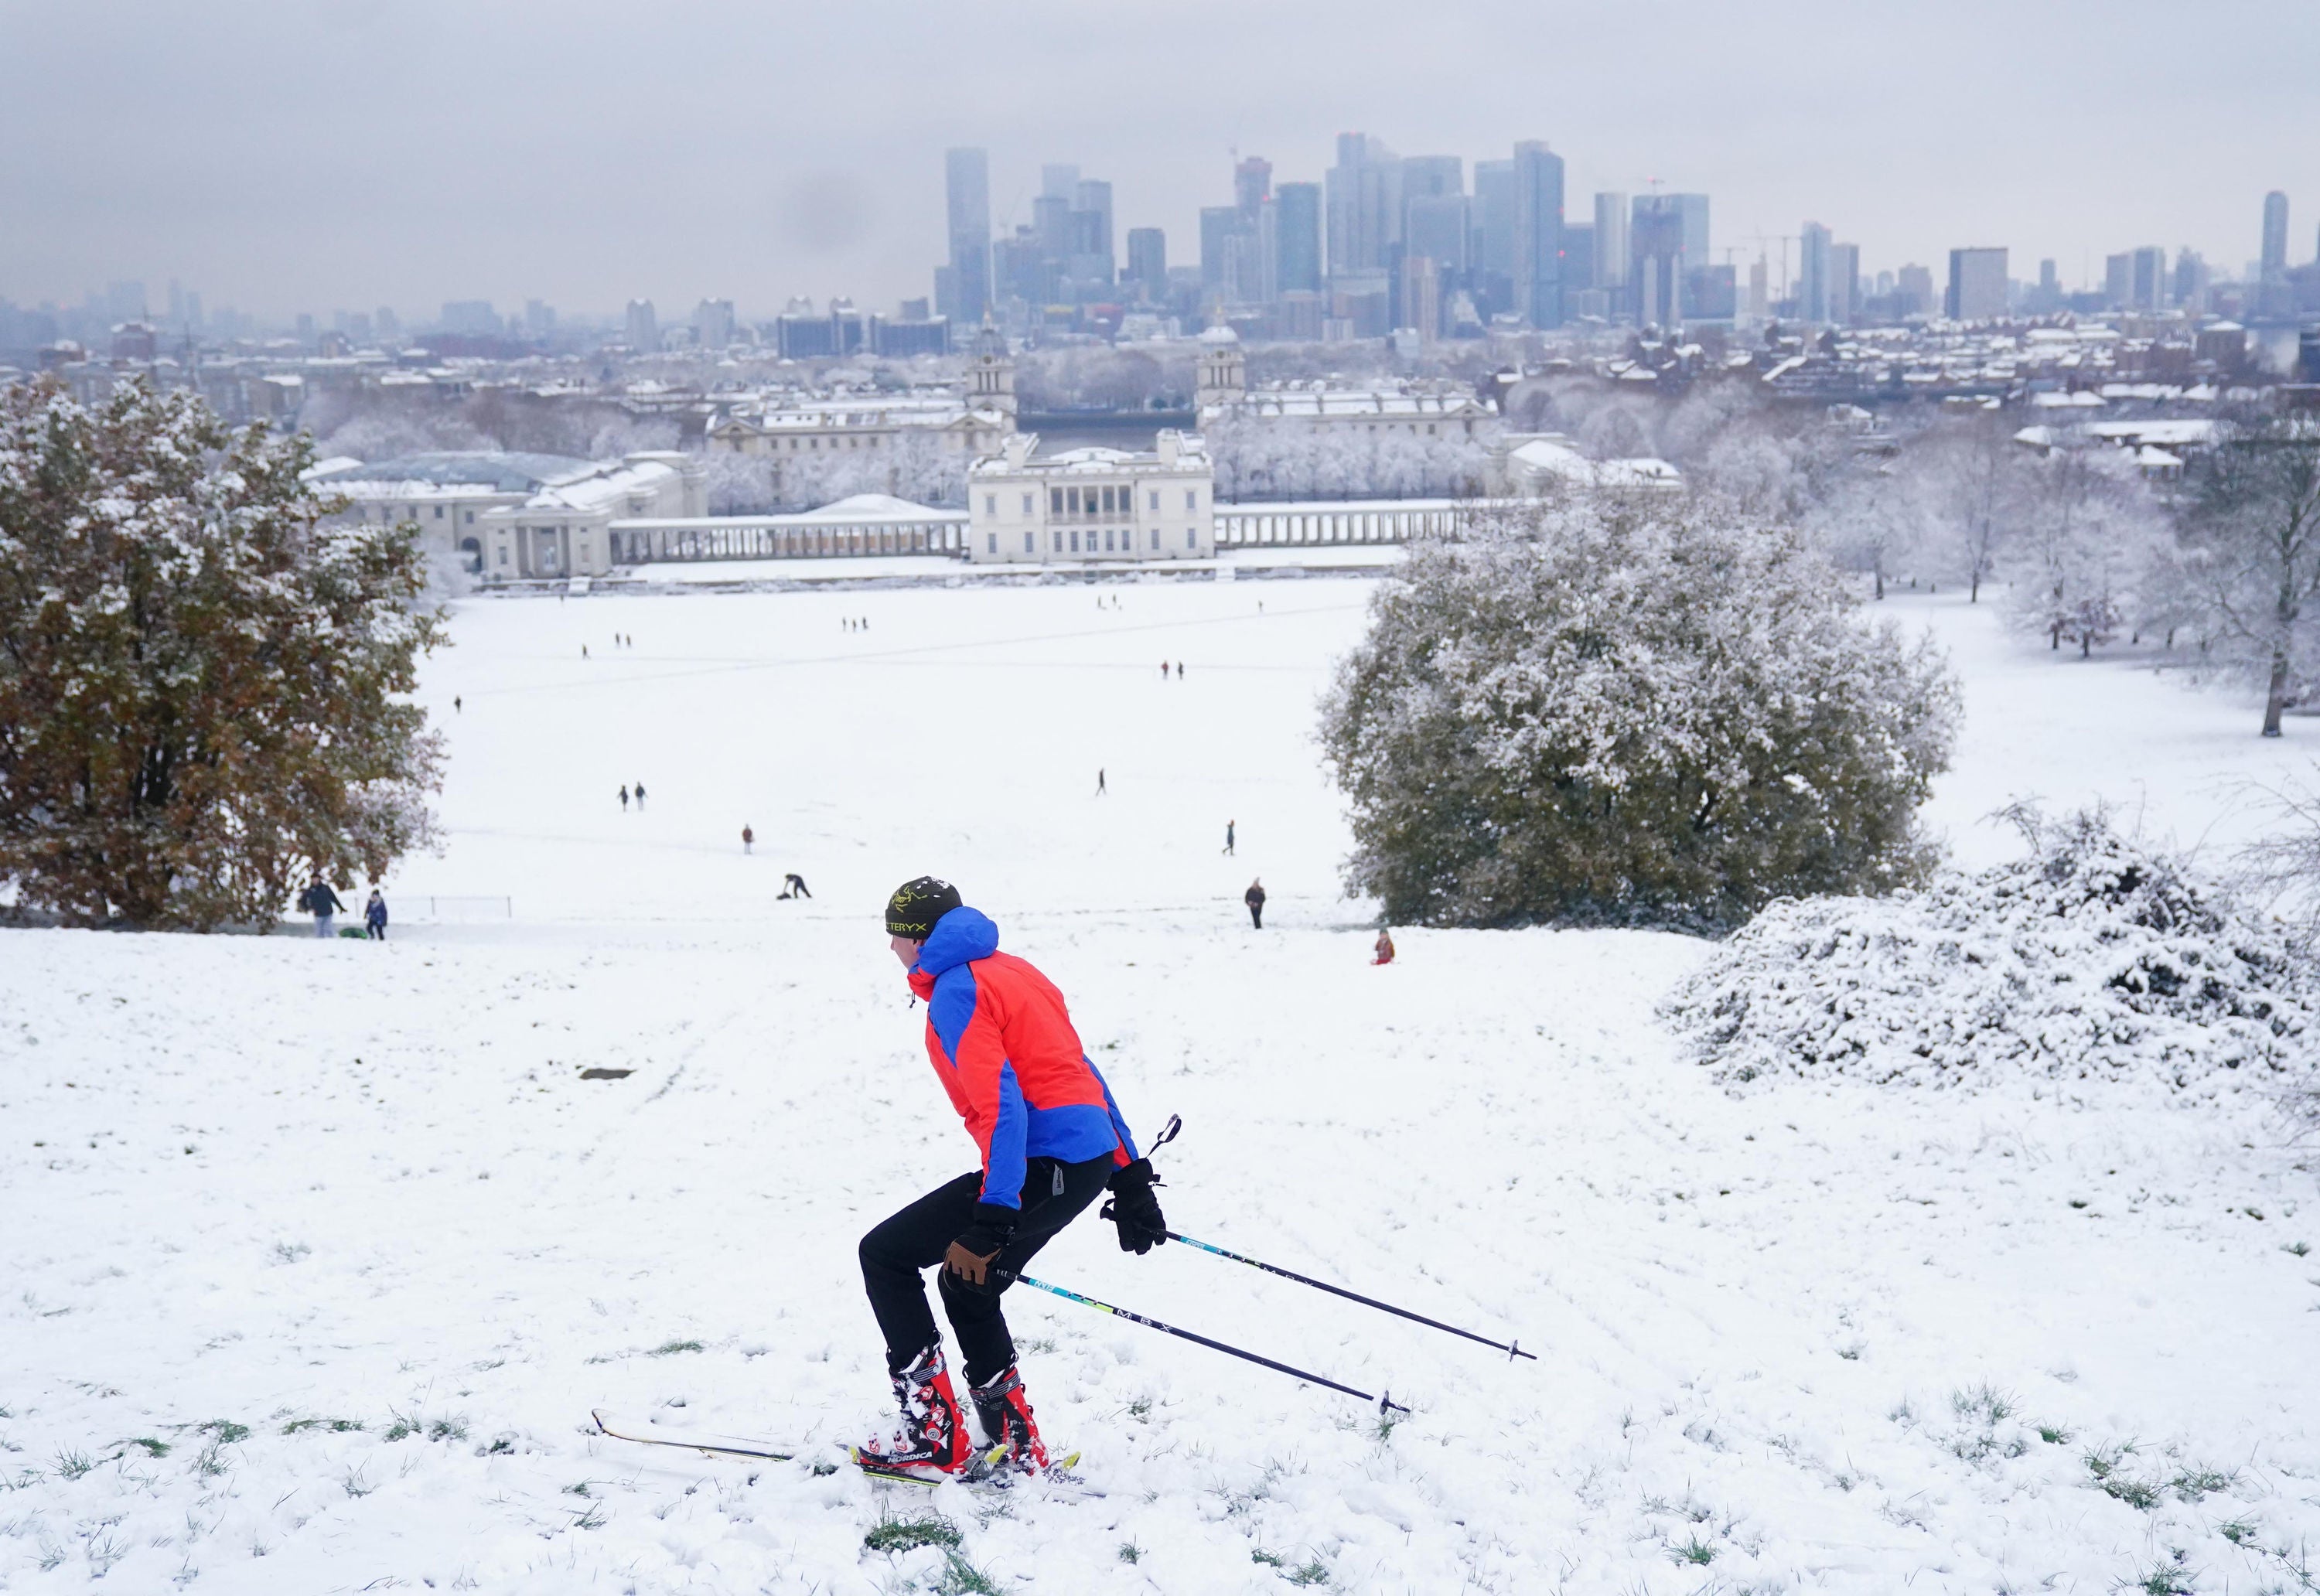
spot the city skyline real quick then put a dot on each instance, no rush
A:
(630, 178)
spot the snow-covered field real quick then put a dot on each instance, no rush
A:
(319, 1254)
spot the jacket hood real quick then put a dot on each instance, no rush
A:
(960, 937)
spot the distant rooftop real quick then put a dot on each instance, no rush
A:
(504, 471)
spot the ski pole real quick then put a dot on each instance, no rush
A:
(1513, 1349)
(1385, 1404)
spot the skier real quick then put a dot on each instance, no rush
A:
(319, 901)
(747, 837)
(374, 917)
(640, 797)
(1051, 1141)
(1098, 781)
(1228, 837)
(624, 798)
(793, 886)
(1255, 899)
(1384, 948)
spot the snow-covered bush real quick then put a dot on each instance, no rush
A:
(203, 685)
(2095, 958)
(1629, 710)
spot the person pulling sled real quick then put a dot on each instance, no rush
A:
(1051, 1141)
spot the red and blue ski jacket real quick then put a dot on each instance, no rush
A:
(1006, 1052)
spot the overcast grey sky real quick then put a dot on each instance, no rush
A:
(287, 154)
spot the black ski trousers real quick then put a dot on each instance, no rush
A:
(898, 1249)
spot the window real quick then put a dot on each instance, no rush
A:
(1058, 544)
(1030, 540)
(1076, 541)
(503, 554)
(1156, 538)
(994, 542)
(1156, 498)
(438, 512)
(1109, 505)
(1107, 535)
(1191, 498)
(1055, 503)
(1027, 503)
(1192, 537)
(991, 504)
(1072, 499)
(471, 518)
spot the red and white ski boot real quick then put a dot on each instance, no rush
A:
(932, 1437)
(1013, 1434)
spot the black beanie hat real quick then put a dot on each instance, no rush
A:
(916, 905)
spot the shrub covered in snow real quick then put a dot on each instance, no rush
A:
(203, 685)
(1640, 712)
(2094, 958)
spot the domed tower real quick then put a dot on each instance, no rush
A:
(990, 373)
(1223, 379)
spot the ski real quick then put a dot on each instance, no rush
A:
(639, 1430)
(984, 1471)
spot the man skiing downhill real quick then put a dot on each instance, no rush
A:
(1052, 1140)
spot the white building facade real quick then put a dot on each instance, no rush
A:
(565, 529)
(1092, 505)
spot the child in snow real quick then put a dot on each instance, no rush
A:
(374, 917)
(1384, 948)
(1255, 899)
(1051, 1141)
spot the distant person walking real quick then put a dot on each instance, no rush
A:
(793, 886)
(1229, 838)
(624, 798)
(454, 703)
(1255, 899)
(319, 901)
(583, 650)
(1164, 670)
(1179, 670)
(374, 917)
(640, 797)
(1384, 948)
(747, 837)
(1098, 781)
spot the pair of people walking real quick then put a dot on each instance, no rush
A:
(319, 901)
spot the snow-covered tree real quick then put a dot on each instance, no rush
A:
(1629, 710)
(2253, 516)
(1971, 476)
(203, 684)
(2088, 534)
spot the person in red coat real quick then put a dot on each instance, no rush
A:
(1052, 1140)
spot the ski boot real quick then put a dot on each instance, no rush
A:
(1006, 1423)
(932, 1436)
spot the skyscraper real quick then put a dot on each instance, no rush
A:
(1494, 236)
(1611, 242)
(1147, 260)
(2274, 263)
(1057, 180)
(1657, 259)
(1977, 290)
(1252, 186)
(1363, 192)
(1844, 283)
(644, 327)
(1538, 232)
(967, 175)
(1812, 273)
(1092, 260)
(1297, 234)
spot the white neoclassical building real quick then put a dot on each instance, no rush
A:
(1090, 505)
(1443, 410)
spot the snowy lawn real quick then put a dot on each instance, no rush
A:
(320, 1254)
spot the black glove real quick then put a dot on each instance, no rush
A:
(1135, 1209)
(981, 1241)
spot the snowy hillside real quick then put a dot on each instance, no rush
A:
(321, 1253)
